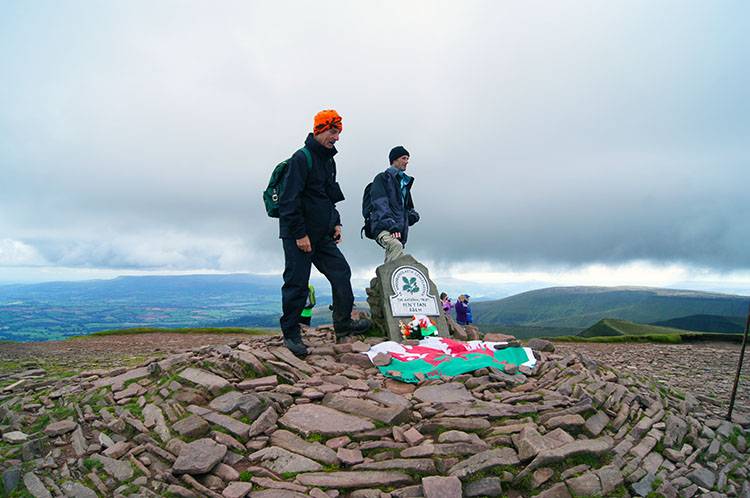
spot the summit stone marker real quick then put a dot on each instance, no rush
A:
(405, 290)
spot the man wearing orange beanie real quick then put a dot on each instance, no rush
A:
(310, 229)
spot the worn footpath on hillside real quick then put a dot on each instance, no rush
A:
(239, 416)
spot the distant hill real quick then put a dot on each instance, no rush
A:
(525, 333)
(53, 311)
(157, 290)
(707, 323)
(610, 327)
(56, 310)
(582, 307)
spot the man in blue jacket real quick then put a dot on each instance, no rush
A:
(310, 229)
(392, 206)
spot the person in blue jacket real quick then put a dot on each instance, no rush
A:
(392, 205)
(462, 307)
(310, 231)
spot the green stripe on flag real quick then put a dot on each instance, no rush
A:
(452, 366)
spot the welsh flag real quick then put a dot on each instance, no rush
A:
(437, 356)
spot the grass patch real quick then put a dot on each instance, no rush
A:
(315, 438)
(133, 408)
(155, 330)
(128, 382)
(735, 436)
(95, 399)
(620, 492)
(19, 492)
(374, 451)
(495, 471)
(650, 338)
(249, 372)
(93, 463)
(246, 475)
(41, 424)
(592, 461)
(61, 412)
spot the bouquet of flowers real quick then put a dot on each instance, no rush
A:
(421, 326)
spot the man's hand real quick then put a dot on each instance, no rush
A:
(396, 235)
(337, 234)
(304, 244)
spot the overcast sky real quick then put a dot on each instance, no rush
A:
(571, 142)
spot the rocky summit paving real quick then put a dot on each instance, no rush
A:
(242, 417)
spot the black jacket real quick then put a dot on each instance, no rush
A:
(389, 211)
(306, 205)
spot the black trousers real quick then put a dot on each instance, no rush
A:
(329, 261)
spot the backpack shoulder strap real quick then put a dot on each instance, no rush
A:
(309, 157)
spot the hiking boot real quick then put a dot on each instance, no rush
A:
(352, 327)
(296, 346)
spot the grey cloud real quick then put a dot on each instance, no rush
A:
(579, 134)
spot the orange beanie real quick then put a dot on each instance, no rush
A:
(325, 120)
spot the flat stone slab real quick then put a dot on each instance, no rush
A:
(120, 470)
(135, 373)
(226, 403)
(422, 465)
(441, 487)
(59, 428)
(15, 437)
(390, 415)
(489, 486)
(431, 449)
(364, 479)
(252, 361)
(269, 381)
(265, 421)
(282, 461)
(386, 397)
(315, 419)
(191, 427)
(203, 378)
(575, 448)
(530, 443)
(153, 416)
(236, 427)
(444, 393)
(296, 444)
(456, 423)
(199, 457)
(277, 493)
(73, 488)
(237, 489)
(483, 461)
(35, 486)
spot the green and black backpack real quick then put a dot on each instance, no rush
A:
(272, 193)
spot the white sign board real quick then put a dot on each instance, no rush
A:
(412, 293)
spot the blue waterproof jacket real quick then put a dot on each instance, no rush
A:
(307, 203)
(390, 211)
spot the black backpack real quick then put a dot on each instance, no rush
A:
(366, 211)
(272, 193)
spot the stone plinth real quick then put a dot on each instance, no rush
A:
(401, 290)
